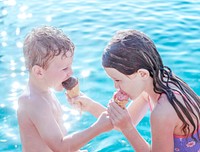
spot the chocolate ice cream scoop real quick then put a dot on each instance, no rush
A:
(70, 83)
(72, 87)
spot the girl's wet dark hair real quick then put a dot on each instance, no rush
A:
(130, 50)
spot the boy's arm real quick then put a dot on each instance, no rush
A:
(88, 104)
(79, 139)
(49, 130)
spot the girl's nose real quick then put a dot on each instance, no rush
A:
(116, 85)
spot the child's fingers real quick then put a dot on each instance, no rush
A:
(112, 111)
(115, 107)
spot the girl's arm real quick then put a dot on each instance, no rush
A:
(138, 108)
(163, 123)
(85, 103)
(121, 119)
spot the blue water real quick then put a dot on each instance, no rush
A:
(173, 25)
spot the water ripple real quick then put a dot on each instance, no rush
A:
(172, 25)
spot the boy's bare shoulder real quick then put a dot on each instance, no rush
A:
(25, 99)
(28, 102)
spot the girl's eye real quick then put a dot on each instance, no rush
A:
(65, 69)
(116, 80)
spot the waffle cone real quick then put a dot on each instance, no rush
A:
(122, 103)
(74, 92)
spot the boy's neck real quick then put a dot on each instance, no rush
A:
(38, 85)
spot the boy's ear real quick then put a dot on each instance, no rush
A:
(38, 71)
(143, 73)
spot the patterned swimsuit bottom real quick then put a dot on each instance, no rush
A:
(183, 144)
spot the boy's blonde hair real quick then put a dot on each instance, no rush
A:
(44, 43)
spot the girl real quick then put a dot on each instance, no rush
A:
(133, 62)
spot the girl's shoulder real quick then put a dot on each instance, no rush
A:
(164, 109)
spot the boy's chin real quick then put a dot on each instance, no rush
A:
(60, 88)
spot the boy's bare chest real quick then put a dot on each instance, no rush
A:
(55, 107)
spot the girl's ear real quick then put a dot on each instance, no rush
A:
(143, 73)
(38, 71)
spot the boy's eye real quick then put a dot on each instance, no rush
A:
(117, 80)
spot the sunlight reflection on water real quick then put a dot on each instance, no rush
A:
(173, 25)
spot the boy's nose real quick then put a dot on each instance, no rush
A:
(70, 72)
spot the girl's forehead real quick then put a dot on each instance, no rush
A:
(113, 73)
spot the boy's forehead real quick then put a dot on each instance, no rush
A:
(61, 59)
(68, 54)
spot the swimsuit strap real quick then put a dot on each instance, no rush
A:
(150, 106)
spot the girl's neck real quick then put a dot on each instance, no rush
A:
(155, 97)
(150, 91)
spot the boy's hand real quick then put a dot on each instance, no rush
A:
(104, 122)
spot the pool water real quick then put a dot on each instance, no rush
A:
(173, 25)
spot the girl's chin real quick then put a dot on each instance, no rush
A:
(131, 97)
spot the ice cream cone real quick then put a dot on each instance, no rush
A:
(72, 87)
(121, 103)
(121, 98)
(74, 92)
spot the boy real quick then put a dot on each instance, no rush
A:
(48, 56)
